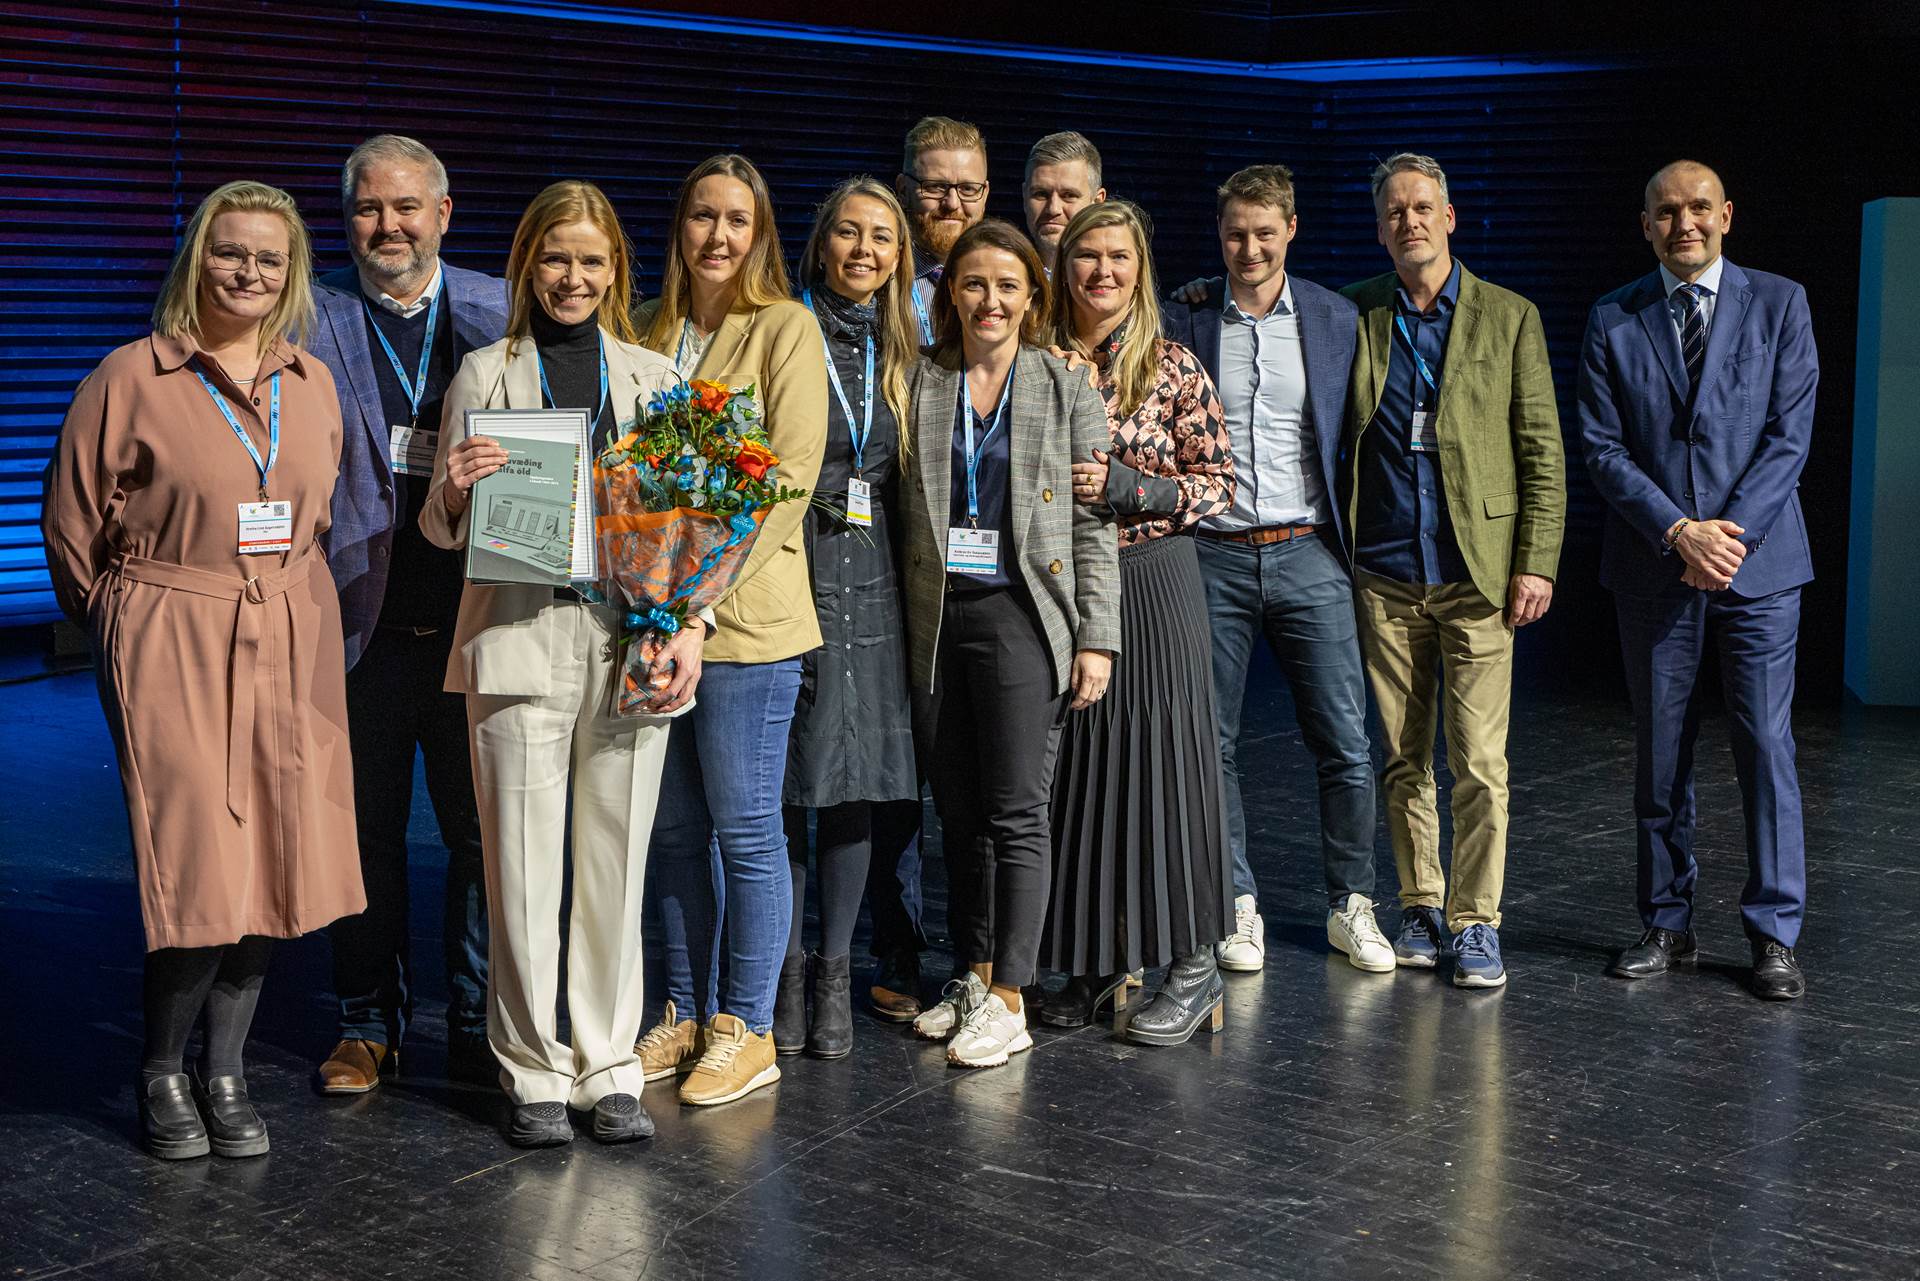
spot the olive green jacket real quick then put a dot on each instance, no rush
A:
(1501, 460)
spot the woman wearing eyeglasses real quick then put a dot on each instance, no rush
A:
(183, 503)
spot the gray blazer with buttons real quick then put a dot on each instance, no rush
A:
(1067, 555)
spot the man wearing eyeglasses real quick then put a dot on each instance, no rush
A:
(943, 187)
(393, 328)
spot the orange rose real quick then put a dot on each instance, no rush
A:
(710, 396)
(754, 459)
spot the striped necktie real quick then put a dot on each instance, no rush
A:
(1693, 333)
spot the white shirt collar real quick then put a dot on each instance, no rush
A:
(408, 310)
(1231, 309)
(1709, 279)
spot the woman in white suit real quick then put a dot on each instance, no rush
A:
(537, 665)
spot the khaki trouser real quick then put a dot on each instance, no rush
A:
(1421, 644)
(528, 754)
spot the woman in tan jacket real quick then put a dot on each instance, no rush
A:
(183, 502)
(726, 313)
(538, 665)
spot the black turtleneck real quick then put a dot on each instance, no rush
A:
(570, 357)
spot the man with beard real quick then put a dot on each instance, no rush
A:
(393, 328)
(943, 187)
(1063, 177)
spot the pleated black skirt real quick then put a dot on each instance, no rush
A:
(1141, 871)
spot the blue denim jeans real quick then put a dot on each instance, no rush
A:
(1300, 597)
(719, 843)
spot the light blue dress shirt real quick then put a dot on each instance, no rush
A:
(1263, 391)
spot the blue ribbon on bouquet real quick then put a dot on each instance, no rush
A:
(739, 525)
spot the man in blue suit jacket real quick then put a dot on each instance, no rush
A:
(1280, 350)
(394, 328)
(1696, 412)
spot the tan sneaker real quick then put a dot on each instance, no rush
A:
(671, 1047)
(737, 1063)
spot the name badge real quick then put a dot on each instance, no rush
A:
(1426, 433)
(859, 501)
(266, 527)
(972, 551)
(412, 449)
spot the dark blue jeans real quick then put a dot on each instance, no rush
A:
(1299, 596)
(720, 845)
(1663, 640)
(395, 707)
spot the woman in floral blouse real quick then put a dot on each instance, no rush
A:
(1140, 866)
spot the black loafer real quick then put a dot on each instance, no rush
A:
(1776, 974)
(233, 1127)
(170, 1124)
(1076, 1004)
(539, 1125)
(1657, 952)
(619, 1118)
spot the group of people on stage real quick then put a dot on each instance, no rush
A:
(1054, 508)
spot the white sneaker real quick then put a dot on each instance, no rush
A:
(1245, 950)
(991, 1033)
(1352, 929)
(961, 997)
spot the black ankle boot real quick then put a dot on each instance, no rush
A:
(1192, 995)
(790, 1006)
(233, 1127)
(170, 1124)
(1076, 1004)
(830, 984)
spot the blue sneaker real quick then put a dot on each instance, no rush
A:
(1477, 958)
(1423, 938)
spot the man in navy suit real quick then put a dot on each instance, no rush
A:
(393, 328)
(1696, 412)
(1280, 350)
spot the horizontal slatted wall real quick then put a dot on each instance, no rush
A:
(116, 116)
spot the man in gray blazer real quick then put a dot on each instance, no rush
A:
(393, 328)
(1280, 350)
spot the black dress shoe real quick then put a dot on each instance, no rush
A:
(1776, 975)
(1076, 1004)
(619, 1118)
(170, 1124)
(539, 1125)
(1033, 1002)
(790, 1006)
(1657, 952)
(1191, 995)
(233, 1127)
(830, 988)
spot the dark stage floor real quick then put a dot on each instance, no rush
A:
(1344, 1125)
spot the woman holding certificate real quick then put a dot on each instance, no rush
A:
(183, 503)
(1013, 608)
(537, 665)
(726, 314)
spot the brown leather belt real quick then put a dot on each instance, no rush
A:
(1259, 537)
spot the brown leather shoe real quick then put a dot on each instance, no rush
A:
(356, 1066)
(895, 993)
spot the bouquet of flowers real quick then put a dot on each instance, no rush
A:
(682, 496)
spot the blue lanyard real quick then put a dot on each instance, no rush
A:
(1419, 361)
(864, 431)
(546, 388)
(973, 459)
(419, 385)
(680, 352)
(273, 425)
(920, 308)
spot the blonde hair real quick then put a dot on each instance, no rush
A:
(563, 203)
(1135, 366)
(176, 313)
(988, 233)
(1270, 185)
(763, 276)
(899, 326)
(940, 133)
